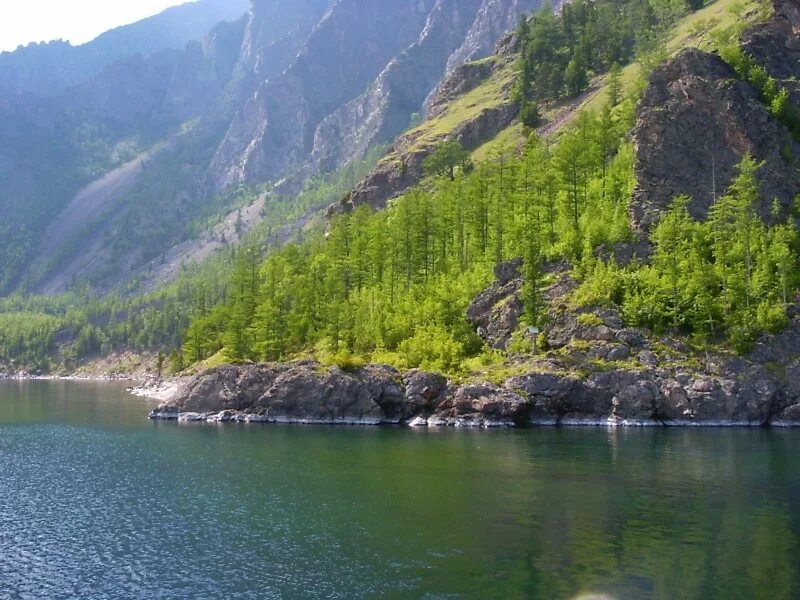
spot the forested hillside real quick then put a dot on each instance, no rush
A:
(558, 197)
(394, 286)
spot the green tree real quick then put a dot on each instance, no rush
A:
(529, 114)
(446, 158)
(614, 85)
(576, 76)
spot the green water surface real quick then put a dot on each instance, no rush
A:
(98, 502)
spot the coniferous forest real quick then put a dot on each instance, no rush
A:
(393, 286)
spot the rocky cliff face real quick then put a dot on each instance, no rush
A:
(361, 74)
(347, 49)
(382, 112)
(494, 19)
(697, 120)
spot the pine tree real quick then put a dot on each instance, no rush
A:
(245, 284)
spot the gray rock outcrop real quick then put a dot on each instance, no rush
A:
(743, 394)
(696, 122)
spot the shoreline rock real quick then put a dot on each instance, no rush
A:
(309, 393)
(22, 376)
(156, 389)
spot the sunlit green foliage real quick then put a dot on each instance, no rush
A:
(560, 52)
(730, 275)
(396, 284)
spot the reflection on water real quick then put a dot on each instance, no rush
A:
(96, 501)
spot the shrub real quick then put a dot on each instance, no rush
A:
(433, 348)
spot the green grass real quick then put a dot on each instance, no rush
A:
(507, 140)
(491, 93)
(697, 30)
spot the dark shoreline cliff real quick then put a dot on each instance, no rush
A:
(308, 393)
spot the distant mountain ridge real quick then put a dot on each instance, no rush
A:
(363, 71)
(48, 67)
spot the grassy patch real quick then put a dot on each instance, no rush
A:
(491, 93)
(589, 320)
(507, 140)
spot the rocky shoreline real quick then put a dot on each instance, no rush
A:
(23, 376)
(596, 372)
(308, 393)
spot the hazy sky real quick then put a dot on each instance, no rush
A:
(23, 21)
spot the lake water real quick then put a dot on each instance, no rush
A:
(98, 502)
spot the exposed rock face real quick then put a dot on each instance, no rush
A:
(346, 50)
(737, 393)
(495, 312)
(462, 80)
(696, 122)
(494, 18)
(305, 392)
(382, 112)
(362, 72)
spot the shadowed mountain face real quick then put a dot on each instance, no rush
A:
(46, 68)
(164, 127)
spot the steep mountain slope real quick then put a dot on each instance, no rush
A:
(46, 68)
(52, 146)
(702, 331)
(296, 88)
(365, 69)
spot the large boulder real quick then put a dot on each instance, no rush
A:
(310, 393)
(696, 122)
(424, 393)
(228, 387)
(482, 405)
(300, 392)
(549, 395)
